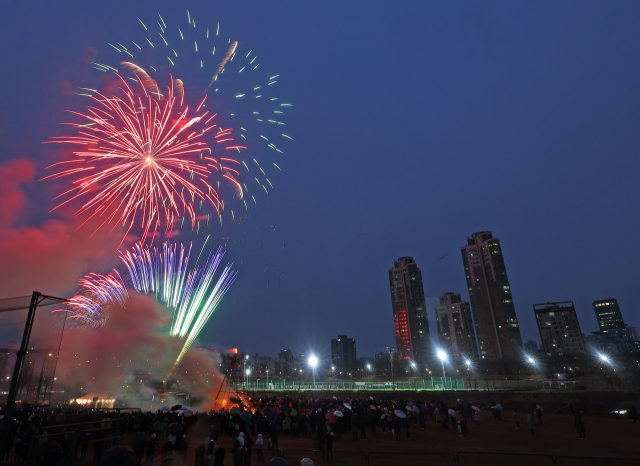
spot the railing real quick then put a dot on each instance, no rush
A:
(432, 384)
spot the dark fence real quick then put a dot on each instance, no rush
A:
(411, 459)
(503, 459)
(595, 461)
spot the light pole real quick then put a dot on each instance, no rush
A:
(391, 350)
(244, 365)
(248, 372)
(442, 356)
(415, 367)
(313, 361)
(267, 379)
(467, 362)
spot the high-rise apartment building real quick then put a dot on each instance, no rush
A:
(608, 314)
(559, 329)
(614, 337)
(409, 311)
(343, 351)
(494, 314)
(455, 327)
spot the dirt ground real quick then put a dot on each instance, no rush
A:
(606, 436)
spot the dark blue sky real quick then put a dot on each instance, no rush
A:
(416, 124)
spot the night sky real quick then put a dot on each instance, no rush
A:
(416, 124)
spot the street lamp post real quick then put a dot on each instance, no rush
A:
(267, 379)
(248, 372)
(244, 366)
(442, 356)
(415, 367)
(313, 361)
(391, 350)
(467, 363)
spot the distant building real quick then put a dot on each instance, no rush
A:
(494, 314)
(409, 311)
(608, 314)
(343, 351)
(614, 337)
(559, 329)
(455, 327)
(614, 341)
(531, 347)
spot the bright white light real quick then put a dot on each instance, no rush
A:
(468, 363)
(442, 355)
(313, 361)
(369, 366)
(413, 364)
(531, 360)
(333, 368)
(604, 358)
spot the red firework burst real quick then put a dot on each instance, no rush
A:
(142, 162)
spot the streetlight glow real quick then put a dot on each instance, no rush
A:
(443, 356)
(604, 358)
(313, 362)
(468, 363)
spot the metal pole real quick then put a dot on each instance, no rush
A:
(66, 314)
(444, 376)
(17, 370)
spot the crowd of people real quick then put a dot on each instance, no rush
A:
(59, 438)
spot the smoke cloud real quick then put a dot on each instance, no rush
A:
(50, 257)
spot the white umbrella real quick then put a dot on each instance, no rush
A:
(338, 413)
(539, 407)
(400, 414)
(499, 407)
(346, 405)
(372, 407)
(475, 408)
(452, 412)
(415, 409)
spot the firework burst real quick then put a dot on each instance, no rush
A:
(143, 160)
(191, 294)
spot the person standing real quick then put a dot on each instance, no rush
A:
(259, 446)
(329, 446)
(274, 438)
(579, 425)
(516, 418)
(209, 455)
(532, 422)
(397, 426)
(321, 435)
(150, 450)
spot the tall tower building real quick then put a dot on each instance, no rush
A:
(343, 351)
(608, 314)
(409, 311)
(559, 329)
(494, 314)
(455, 327)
